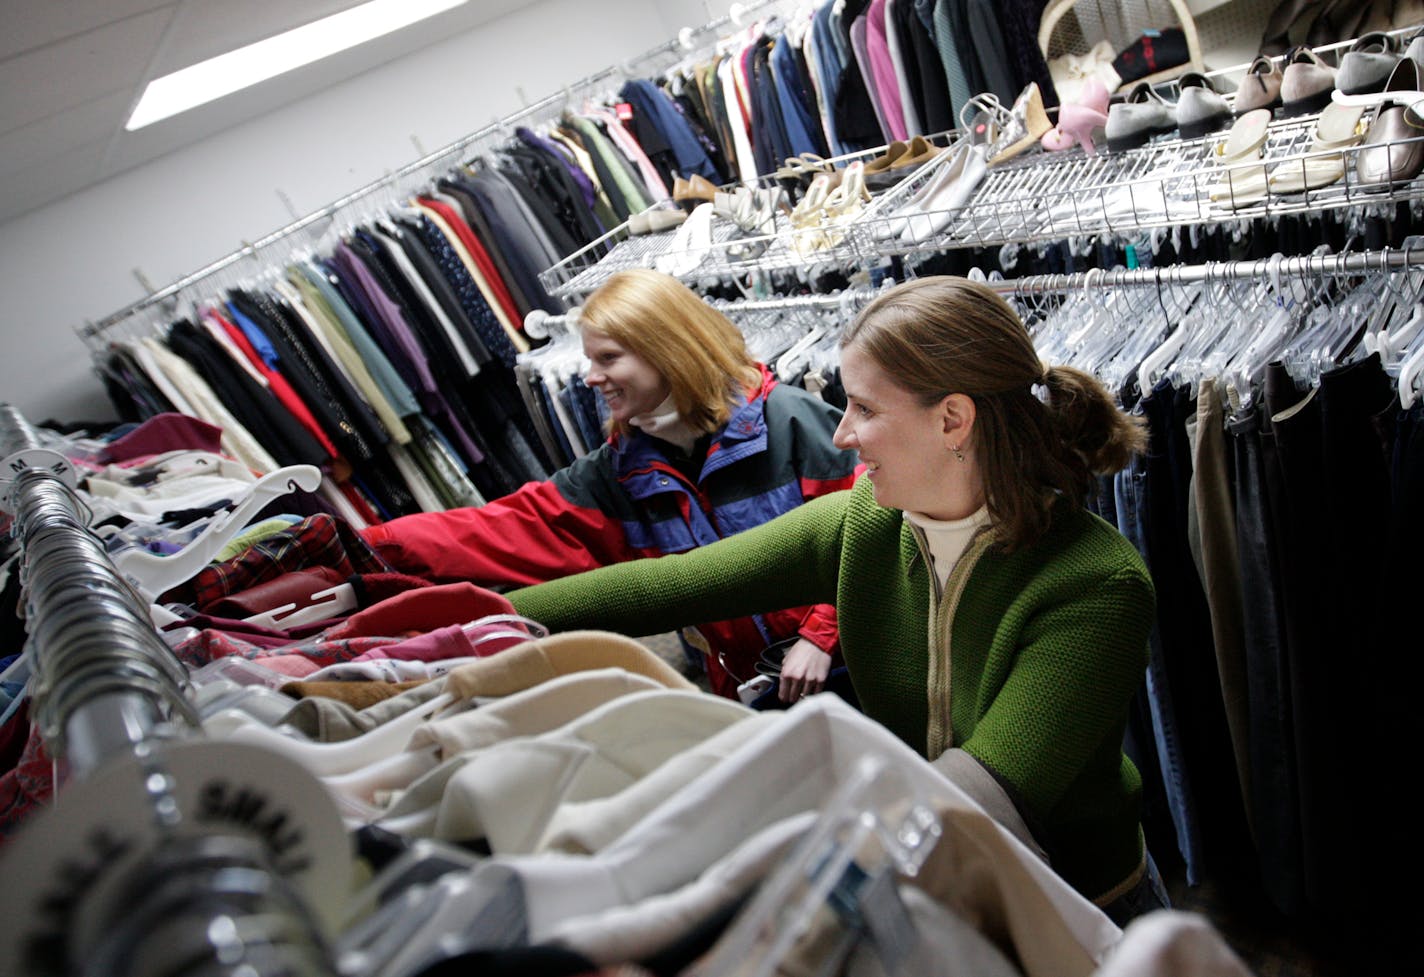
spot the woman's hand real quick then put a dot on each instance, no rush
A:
(803, 671)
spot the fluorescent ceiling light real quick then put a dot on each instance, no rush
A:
(227, 73)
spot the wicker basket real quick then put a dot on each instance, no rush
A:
(1074, 26)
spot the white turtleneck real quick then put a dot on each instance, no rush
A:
(948, 539)
(664, 422)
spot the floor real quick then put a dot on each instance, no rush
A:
(1268, 944)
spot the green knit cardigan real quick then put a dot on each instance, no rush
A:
(1034, 659)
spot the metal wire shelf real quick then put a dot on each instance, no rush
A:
(1163, 184)
(1035, 198)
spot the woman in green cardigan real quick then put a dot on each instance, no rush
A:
(987, 618)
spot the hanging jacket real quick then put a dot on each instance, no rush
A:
(628, 500)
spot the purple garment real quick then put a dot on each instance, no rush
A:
(858, 40)
(454, 641)
(882, 68)
(433, 646)
(391, 316)
(163, 433)
(536, 141)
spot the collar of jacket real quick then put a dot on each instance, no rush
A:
(744, 434)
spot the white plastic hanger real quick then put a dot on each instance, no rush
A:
(855, 840)
(1392, 343)
(1411, 374)
(152, 574)
(325, 604)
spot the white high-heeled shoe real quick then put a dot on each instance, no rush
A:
(941, 203)
(806, 231)
(890, 221)
(843, 204)
(937, 195)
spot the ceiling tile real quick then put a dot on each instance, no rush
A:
(74, 71)
(31, 24)
(70, 70)
(91, 123)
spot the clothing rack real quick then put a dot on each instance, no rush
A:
(1302, 266)
(539, 324)
(167, 853)
(92, 329)
(89, 722)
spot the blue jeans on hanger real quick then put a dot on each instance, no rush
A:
(591, 412)
(1131, 487)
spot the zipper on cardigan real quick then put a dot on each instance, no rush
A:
(939, 731)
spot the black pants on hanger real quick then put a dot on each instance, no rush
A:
(1274, 800)
(1343, 669)
(1184, 624)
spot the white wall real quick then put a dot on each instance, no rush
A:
(73, 261)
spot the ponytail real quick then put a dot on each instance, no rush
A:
(941, 335)
(1089, 422)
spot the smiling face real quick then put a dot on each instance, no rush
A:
(905, 445)
(629, 384)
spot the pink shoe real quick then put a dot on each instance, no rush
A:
(1075, 128)
(1093, 95)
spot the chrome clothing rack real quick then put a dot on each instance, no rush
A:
(90, 330)
(166, 853)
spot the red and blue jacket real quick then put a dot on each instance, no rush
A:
(626, 500)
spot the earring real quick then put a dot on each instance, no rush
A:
(959, 455)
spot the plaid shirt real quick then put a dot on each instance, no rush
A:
(317, 541)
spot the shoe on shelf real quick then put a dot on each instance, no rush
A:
(1200, 107)
(939, 201)
(1079, 119)
(803, 168)
(1024, 125)
(876, 168)
(1260, 88)
(843, 205)
(1076, 125)
(1140, 116)
(655, 220)
(690, 245)
(886, 224)
(1243, 180)
(1402, 86)
(753, 210)
(1306, 82)
(1367, 65)
(1393, 149)
(688, 193)
(1338, 128)
(806, 216)
(1414, 48)
(918, 152)
(1093, 95)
